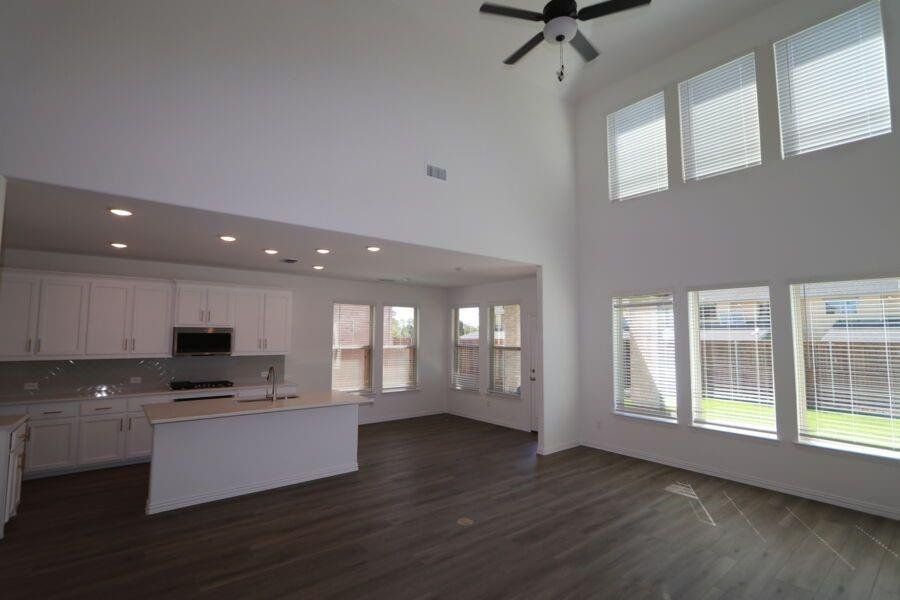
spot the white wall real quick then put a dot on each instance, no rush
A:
(832, 214)
(317, 113)
(309, 363)
(2, 205)
(500, 410)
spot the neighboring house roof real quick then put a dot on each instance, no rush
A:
(739, 334)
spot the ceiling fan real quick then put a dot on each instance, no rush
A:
(560, 18)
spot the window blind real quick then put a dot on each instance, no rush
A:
(399, 369)
(466, 340)
(720, 120)
(847, 356)
(351, 349)
(506, 349)
(644, 355)
(636, 144)
(832, 82)
(732, 380)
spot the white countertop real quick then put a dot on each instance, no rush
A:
(173, 412)
(11, 421)
(162, 392)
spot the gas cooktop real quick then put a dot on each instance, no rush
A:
(199, 385)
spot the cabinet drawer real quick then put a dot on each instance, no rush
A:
(103, 407)
(135, 404)
(53, 410)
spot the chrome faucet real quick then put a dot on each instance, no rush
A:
(271, 379)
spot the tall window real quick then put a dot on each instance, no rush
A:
(399, 370)
(732, 378)
(832, 82)
(636, 144)
(644, 355)
(506, 349)
(351, 348)
(466, 340)
(720, 120)
(847, 355)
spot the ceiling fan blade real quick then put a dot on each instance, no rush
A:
(528, 47)
(607, 8)
(508, 11)
(584, 47)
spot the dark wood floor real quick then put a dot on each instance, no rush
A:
(578, 524)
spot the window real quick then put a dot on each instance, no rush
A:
(832, 82)
(636, 140)
(848, 363)
(351, 348)
(720, 120)
(732, 379)
(399, 371)
(506, 349)
(644, 356)
(466, 340)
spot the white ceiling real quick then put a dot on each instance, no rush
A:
(59, 219)
(627, 41)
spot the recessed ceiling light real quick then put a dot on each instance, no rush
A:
(118, 245)
(318, 267)
(323, 251)
(373, 248)
(271, 251)
(121, 212)
(228, 238)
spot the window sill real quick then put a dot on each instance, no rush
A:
(848, 448)
(465, 390)
(660, 420)
(504, 395)
(749, 433)
(401, 390)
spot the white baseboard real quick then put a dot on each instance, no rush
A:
(545, 450)
(83, 468)
(412, 415)
(891, 512)
(501, 423)
(172, 504)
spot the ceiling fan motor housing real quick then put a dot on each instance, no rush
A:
(560, 30)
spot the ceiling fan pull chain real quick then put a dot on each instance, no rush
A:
(561, 74)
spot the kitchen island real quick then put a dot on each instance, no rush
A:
(206, 450)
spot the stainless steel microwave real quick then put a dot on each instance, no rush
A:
(202, 341)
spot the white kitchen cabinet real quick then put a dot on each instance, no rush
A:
(138, 436)
(277, 322)
(101, 439)
(248, 322)
(15, 470)
(51, 444)
(151, 328)
(200, 306)
(262, 321)
(109, 318)
(61, 318)
(18, 315)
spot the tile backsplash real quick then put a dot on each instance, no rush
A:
(89, 377)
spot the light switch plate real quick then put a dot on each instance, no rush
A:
(136, 380)
(31, 386)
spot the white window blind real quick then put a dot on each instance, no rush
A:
(466, 340)
(644, 355)
(832, 82)
(506, 349)
(720, 120)
(732, 378)
(399, 370)
(636, 143)
(847, 356)
(351, 349)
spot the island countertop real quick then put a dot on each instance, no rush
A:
(193, 410)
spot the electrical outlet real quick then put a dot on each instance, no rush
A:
(31, 386)
(136, 380)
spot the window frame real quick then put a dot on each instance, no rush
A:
(663, 93)
(490, 347)
(454, 320)
(371, 390)
(416, 322)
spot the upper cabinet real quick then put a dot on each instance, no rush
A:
(202, 305)
(151, 325)
(277, 309)
(129, 318)
(262, 321)
(18, 315)
(61, 318)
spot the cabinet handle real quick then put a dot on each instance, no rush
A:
(132, 344)
(103, 408)
(52, 412)
(208, 316)
(265, 343)
(28, 433)
(28, 345)
(129, 423)
(121, 424)
(259, 343)
(201, 315)
(37, 347)
(124, 344)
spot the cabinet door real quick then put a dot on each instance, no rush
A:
(107, 323)
(51, 444)
(277, 323)
(138, 437)
(247, 306)
(18, 314)
(61, 318)
(101, 439)
(151, 330)
(218, 306)
(190, 305)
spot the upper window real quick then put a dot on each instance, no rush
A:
(351, 348)
(832, 82)
(644, 356)
(720, 120)
(848, 361)
(399, 371)
(732, 380)
(466, 339)
(506, 349)
(636, 140)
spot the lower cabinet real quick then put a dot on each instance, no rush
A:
(138, 436)
(52, 444)
(101, 439)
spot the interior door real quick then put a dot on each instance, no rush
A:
(18, 313)
(277, 323)
(218, 306)
(151, 330)
(247, 322)
(107, 324)
(62, 313)
(531, 367)
(191, 305)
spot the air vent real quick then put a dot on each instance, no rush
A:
(291, 261)
(436, 172)
(387, 280)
